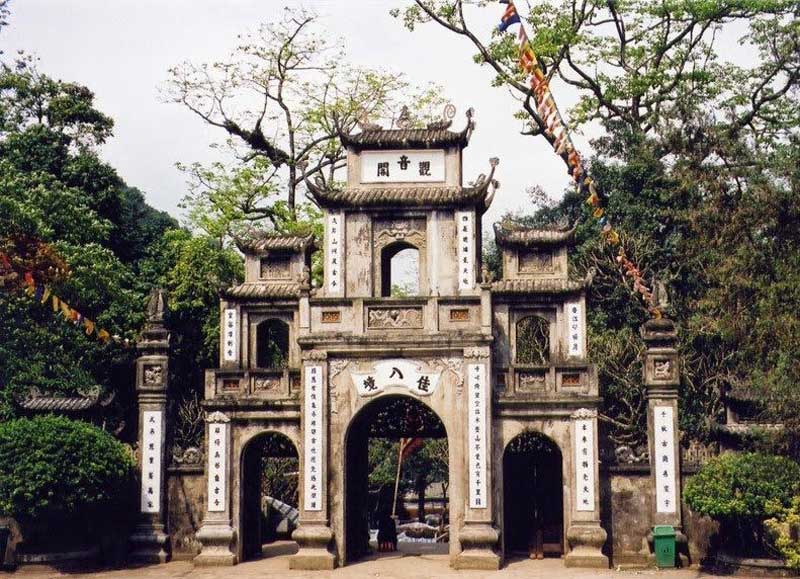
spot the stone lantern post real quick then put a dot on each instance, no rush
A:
(662, 379)
(149, 541)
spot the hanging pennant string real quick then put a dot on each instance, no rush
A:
(44, 295)
(557, 133)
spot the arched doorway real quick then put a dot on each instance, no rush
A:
(396, 466)
(269, 496)
(533, 502)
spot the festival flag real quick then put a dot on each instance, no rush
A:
(45, 295)
(103, 336)
(89, 325)
(509, 17)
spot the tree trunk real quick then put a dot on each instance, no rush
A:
(421, 484)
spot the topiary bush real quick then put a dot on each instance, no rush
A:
(741, 491)
(58, 474)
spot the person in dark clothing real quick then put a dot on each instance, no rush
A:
(387, 534)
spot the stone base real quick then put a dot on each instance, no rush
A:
(482, 561)
(313, 540)
(586, 542)
(149, 545)
(478, 541)
(217, 550)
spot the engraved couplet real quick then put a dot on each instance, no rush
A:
(217, 465)
(313, 439)
(333, 236)
(584, 463)
(478, 492)
(465, 228)
(574, 312)
(231, 335)
(152, 427)
(665, 460)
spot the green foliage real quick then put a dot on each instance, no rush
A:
(783, 529)
(747, 486)
(56, 469)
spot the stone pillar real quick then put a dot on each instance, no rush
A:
(585, 535)
(217, 536)
(478, 535)
(662, 378)
(149, 541)
(314, 534)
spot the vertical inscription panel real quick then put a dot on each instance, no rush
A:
(333, 266)
(231, 334)
(313, 439)
(465, 231)
(217, 466)
(574, 312)
(152, 428)
(665, 459)
(476, 436)
(584, 464)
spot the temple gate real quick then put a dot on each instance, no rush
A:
(502, 364)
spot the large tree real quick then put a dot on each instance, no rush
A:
(697, 165)
(281, 98)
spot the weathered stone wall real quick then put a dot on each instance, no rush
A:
(627, 516)
(186, 495)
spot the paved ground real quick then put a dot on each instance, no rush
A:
(387, 566)
(419, 561)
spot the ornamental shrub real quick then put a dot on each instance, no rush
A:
(741, 491)
(784, 529)
(53, 469)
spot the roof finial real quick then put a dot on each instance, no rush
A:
(404, 120)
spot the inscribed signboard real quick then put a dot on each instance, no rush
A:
(664, 459)
(402, 166)
(313, 439)
(152, 427)
(476, 436)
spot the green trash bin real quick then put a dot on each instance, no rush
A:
(664, 545)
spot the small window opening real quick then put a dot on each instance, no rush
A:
(400, 270)
(533, 340)
(272, 344)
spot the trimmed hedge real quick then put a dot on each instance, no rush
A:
(55, 469)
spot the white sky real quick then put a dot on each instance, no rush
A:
(121, 49)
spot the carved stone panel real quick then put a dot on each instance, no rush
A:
(532, 381)
(536, 261)
(276, 265)
(394, 318)
(390, 230)
(153, 375)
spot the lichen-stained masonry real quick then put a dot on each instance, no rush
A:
(493, 359)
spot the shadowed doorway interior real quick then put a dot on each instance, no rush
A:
(269, 494)
(533, 514)
(397, 463)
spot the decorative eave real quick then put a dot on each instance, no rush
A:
(436, 135)
(265, 242)
(263, 290)
(35, 400)
(481, 192)
(532, 286)
(507, 234)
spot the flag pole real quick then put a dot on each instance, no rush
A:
(397, 476)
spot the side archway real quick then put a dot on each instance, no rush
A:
(269, 492)
(533, 497)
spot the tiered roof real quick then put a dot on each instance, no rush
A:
(508, 234)
(269, 241)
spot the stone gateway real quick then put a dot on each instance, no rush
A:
(501, 367)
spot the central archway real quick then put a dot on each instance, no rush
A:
(395, 448)
(533, 512)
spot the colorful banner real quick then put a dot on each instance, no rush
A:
(557, 133)
(43, 294)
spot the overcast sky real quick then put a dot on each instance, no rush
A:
(122, 49)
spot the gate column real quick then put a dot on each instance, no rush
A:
(217, 535)
(314, 534)
(478, 536)
(149, 542)
(662, 378)
(585, 535)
